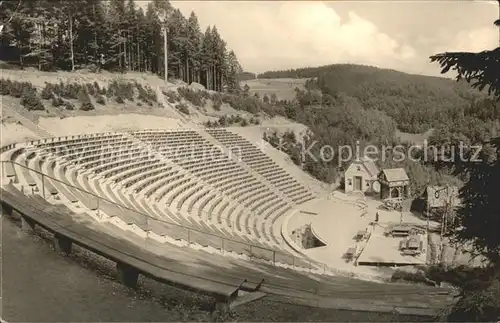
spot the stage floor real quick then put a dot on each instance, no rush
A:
(384, 251)
(337, 224)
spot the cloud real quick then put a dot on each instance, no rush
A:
(282, 35)
(274, 35)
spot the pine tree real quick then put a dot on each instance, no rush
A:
(115, 34)
(193, 49)
(207, 59)
(233, 70)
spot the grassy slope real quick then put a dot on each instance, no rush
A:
(283, 88)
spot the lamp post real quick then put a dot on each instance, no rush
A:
(445, 216)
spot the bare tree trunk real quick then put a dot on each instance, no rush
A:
(125, 43)
(187, 70)
(130, 52)
(95, 40)
(72, 54)
(39, 29)
(138, 60)
(165, 51)
(214, 78)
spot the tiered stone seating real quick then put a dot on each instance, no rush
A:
(263, 165)
(222, 177)
(170, 176)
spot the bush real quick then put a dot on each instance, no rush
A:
(461, 276)
(68, 105)
(5, 86)
(119, 99)
(85, 102)
(97, 88)
(16, 89)
(110, 92)
(57, 101)
(416, 277)
(146, 94)
(123, 90)
(482, 305)
(182, 108)
(255, 121)
(216, 102)
(71, 91)
(90, 88)
(100, 100)
(30, 100)
(244, 123)
(195, 97)
(47, 92)
(172, 96)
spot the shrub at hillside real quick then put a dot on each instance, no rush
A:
(89, 87)
(14, 88)
(68, 105)
(30, 100)
(182, 108)
(100, 100)
(122, 90)
(146, 94)
(196, 97)
(5, 86)
(172, 96)
(85, 102)
(57, 102)
(47, 92)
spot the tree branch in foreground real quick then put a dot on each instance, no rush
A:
(480, 69)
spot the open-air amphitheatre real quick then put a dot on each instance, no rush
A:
(146, 176)
(212, 210)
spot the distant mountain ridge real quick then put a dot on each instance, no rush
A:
(310, 72)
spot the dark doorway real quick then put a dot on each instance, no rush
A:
(358, 180)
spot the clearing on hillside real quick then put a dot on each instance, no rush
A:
(284, 88)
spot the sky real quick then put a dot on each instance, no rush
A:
(275, 35)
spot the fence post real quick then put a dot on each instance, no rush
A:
(274, 257)
(98, 214)
(43, 186)
(189, 237)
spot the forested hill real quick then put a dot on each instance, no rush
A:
(415, 102)
(310, 72)
(115, 35)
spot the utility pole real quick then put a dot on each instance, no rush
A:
(427, 209)
(444, 219)
(165, 50)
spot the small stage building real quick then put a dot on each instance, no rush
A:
(360, 176)
(394, 184)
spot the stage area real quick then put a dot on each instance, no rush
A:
(338, 223)
(384, 251)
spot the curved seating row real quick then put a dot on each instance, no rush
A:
(262, 164)
(172, 184)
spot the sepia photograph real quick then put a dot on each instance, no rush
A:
(249, 161)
